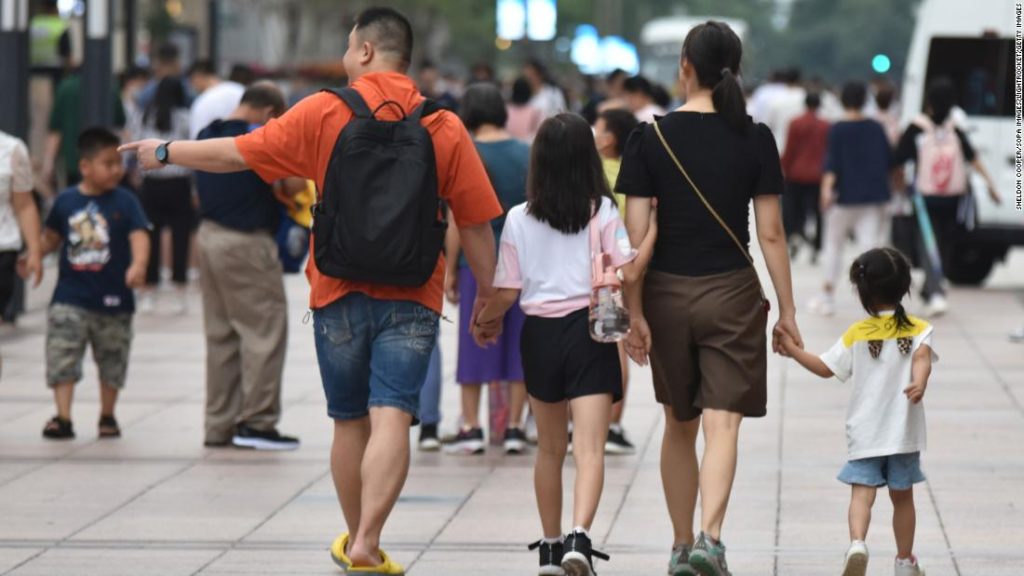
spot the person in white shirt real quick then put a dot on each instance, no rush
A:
(787, 105)
(18, 218)
(640, 99)
(217, 98)
(888, 357)
(547, 97)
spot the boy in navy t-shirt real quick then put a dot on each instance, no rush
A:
(101, 232)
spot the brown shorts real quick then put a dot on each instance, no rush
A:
(709, 342)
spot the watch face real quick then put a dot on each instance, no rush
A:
(161, 153)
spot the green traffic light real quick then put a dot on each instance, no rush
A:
(881, 63)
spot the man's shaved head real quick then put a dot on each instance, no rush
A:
(389, 32)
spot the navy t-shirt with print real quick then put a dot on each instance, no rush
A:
(96, 251)
(859, 155)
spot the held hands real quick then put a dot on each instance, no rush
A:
(135, 277)
(638, 342)
(786, 336)
(915, 392)
(30, 266)
(145, 150)
(827, 199)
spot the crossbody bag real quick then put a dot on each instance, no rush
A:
(714, 214)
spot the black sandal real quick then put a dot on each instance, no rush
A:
(58, 429)
(109, 427)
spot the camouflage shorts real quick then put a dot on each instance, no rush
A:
(70, 328)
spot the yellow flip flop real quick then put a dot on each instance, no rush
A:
(387, 565)
(338, 552)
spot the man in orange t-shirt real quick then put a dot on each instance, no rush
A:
(373, 342)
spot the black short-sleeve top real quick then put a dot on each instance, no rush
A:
(729, 166)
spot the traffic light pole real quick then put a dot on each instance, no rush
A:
(14, 67)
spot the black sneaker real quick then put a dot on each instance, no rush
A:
(617, 442)
(246, 437)
(428, 438)
(515, 441)
(550, 558)
(468, 441)
(577, 558)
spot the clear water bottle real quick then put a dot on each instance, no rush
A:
(609, 319)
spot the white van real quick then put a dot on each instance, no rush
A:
(973, 44)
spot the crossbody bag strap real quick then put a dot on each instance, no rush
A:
(704, 200)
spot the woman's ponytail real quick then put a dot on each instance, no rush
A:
(715, 51)
(729, 100)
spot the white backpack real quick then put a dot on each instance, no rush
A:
(941, 169)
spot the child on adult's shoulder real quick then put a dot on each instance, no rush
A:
(889, 358)
(545, 263)
(101, 231)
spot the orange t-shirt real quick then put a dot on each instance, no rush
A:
(300, 143)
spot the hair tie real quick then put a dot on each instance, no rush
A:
(726, 71)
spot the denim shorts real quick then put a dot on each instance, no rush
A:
(373, 353)
(898, 471)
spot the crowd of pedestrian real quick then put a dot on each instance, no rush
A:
(500, 199)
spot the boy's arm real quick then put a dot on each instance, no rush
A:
(920, 371)
(451, 256)
(136, 275)
(812, 363)
(828, 184)
(50, 241)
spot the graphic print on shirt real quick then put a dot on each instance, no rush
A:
(88, 239)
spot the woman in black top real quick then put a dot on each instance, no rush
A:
(701, 295)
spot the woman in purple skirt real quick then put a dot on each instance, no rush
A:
(484, 113)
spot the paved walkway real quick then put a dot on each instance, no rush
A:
(157, 503)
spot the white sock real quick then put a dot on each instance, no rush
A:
(552, 540)
(614, 427)
(857, 542)
(581, 530)
(906, 561)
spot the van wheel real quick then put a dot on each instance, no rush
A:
(971, 263)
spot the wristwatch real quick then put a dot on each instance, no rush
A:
(163, 155)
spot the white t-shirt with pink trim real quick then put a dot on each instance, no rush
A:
(552, 269)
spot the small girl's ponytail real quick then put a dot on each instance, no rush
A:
(882, 279)
(903, 321)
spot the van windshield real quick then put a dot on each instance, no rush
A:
(981, 69)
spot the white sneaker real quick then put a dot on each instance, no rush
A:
(856, 563)
(180, 305)
(909, 567)
(147, 303)
(937, 305)
(823, 305)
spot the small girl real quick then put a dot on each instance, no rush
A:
(545, 263)
(889, 357)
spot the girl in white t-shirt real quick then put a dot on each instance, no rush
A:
(889, 357)
(544, 263)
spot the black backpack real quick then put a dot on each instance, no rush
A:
(379, 218)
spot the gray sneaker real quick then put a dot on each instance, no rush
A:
(679, 564)
(708, 557)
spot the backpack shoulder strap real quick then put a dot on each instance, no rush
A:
(352, 99)
(427, 108)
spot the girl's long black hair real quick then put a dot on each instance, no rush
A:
(566, 183)
(715, 51)
(170, 95)
(882, 278)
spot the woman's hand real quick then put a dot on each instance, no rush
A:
(638, 342)
(786, 328)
